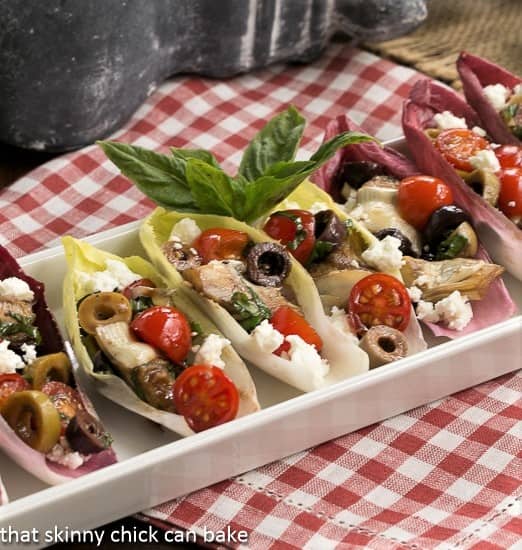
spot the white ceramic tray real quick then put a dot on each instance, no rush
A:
(156, 466)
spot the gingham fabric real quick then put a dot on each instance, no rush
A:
(447, 475)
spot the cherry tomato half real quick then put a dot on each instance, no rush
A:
(127, 291)
(287, 321)
(379, 299)
(420, 196)
(457, 145)
(509, 156)
(11, 383)
(65, 399)
(220, 244)
(205, 396)
(294, 229)
(510, 198)
(165, 328)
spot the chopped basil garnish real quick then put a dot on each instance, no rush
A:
(249, 311)
(20, 324)
(451, 247)
(141, 303)
(321, 250)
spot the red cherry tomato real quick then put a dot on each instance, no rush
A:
(166, 329)
(510, 198)
(127, 291)
(509, 156)
(294, 229)
(11, 383)
(457, 145)
(205, 396)
(220, 244)
(287, 321)
(420, 196)
(379, 299)
(66, 400)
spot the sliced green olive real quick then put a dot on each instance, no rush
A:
(103, 308)
(33, 417)
(52, 367)
(485, 184)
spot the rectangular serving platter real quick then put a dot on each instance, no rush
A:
(156, 466)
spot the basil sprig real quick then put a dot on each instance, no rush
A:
(191, 180)
(249, 311)
(20, 324)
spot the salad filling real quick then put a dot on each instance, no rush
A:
(38, 398)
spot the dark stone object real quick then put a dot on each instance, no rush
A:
(72, 71)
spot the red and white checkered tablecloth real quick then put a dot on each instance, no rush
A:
(447, 475)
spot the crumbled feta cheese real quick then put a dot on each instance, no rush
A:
(13, 286)
(384, 255)
(210, 351)
(455, 310)
(517, 90)
(415, 293)
(426, 312)
(512, 204)
(116, 276)
(29, 353)
(267, 337)
(339, 320)
(485, 160)
(479, 131)
(62, 454)
(447, 120)
(496, 94)
(318, 206)
(186, 231)
(9, 360)
(304, 355)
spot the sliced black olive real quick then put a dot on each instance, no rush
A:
(329, 228)
(383, 345)
(268, 264)
(181, 256)
(356, 173)
(406, 247)
(86, 434)
(444, 220)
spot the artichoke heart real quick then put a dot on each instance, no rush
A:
(437, 280)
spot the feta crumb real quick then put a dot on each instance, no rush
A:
(62, 454)
(517, 90)
(496, 94)
(29, 353)
(210, 351)
(186, 231)
(267, 337)
(512, 204)
(13, 286)
(116, 276)
(9, 360)
(485, 160)
(426, 312)
(415, 293)
(317, 206)
(455, 310)
(447, 120)
(479, 131)
(339, 320)
(304, 355)
(384, 255)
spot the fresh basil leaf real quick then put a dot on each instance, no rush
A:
(451, 247)
(200, 154)
(320, 251)
(249, 311)
(277, 141)
(214, 191)
(327, 149)
(158, 176)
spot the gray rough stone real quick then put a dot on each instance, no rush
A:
(72, 71)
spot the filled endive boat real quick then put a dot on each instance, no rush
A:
(261, 298)
(455, 287)
(148, 348)
(47, 424)
(446, 140)
(496, 96)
